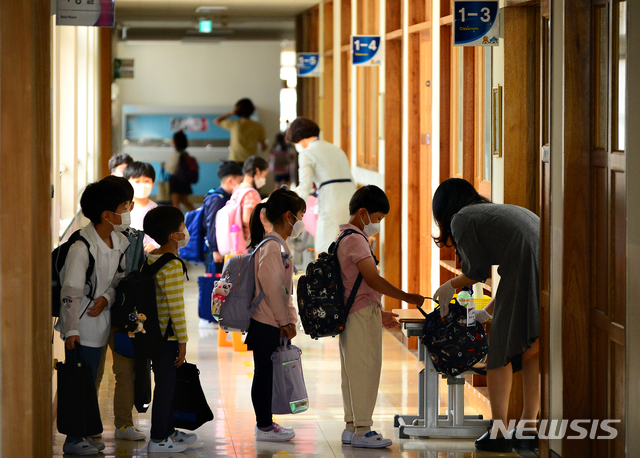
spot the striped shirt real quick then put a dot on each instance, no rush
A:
(170, 298)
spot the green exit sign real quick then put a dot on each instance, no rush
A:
(206, 26)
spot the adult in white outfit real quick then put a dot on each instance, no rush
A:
(326, 165)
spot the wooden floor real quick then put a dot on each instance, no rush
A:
(226, 377)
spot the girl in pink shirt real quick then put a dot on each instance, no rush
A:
(276, 315)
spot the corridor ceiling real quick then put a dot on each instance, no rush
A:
(237, 20)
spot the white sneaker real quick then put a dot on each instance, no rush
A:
(347, 436)
(180, 437)
(166, 446)
(277, 434)
(96, 443)
(130, 433)
(370, 440)
(79, 447)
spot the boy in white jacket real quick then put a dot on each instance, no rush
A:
(85, 320)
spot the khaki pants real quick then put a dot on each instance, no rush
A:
(361, 362)
(123, 397)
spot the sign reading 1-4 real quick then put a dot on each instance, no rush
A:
(366, 50)
(476, 23)
(308, 64)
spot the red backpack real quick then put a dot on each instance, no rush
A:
(188, 171)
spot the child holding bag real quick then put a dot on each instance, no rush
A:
(276, 315)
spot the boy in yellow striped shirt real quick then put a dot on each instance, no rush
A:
(166, 226)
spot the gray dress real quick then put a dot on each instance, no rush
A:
(507, 236)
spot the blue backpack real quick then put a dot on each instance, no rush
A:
(195, 222)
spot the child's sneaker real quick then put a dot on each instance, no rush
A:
(166, 446)
(277, 434)
(180, 437)
(347, 436)
(130, 433)
(96, 443)
(370, 440)
(79, 447)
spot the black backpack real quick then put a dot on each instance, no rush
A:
(453, 346)
(136, 294)
(321, 294)
(58, 258)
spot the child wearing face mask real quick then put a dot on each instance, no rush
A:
(361, 341)
(255, 171)
(276, 315)
(85, 320)
(142, 177)
(166, 226)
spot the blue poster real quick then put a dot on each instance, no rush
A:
(366, 50)
(308, 64)
(476, 23)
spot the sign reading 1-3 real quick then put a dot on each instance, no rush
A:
(308, 64)
(476, 23)
(91, 13)
(366, 50)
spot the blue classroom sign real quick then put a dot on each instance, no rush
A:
(366, 50)
(308, 64)
(476, 23)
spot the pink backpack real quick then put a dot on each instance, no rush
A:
(229, 233)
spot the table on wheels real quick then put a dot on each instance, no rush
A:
(428, 422)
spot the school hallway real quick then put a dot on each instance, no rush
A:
(226, 377)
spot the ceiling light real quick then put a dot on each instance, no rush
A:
(211, 9)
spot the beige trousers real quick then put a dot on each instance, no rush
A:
(123, 396)
(361, 362)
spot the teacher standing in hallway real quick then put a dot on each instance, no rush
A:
(326, 165)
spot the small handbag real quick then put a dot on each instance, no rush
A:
(289, 394)
(78, 409)
(163, 188)
(190, 408)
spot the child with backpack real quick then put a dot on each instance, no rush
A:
(85, 320)
(166, 226)
(275, 316)
(230, 175)
(232, 221)
(182, 177)
(361, 341)
(142, 177)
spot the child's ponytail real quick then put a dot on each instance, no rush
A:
(256, 228)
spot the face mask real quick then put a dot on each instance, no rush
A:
(125, 217)
(260, 182)
(297, 228)
(141, 190)
(299, 147)
(370, 229)
(183, 243)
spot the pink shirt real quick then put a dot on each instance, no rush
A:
(276, 279)
(353, 249)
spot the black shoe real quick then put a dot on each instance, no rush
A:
(528, 442)
(499, 444)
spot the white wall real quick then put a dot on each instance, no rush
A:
(204, 74)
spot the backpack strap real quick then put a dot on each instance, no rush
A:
(260, 296)
(358, 282)
(153, 269)
(90, 268)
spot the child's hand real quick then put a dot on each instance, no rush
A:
(389, 321)
(182, 353)
(98, 306)
(289, 331)
(72, 342)
(217, 257)
(415, 299)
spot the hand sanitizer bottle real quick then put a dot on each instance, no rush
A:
(466, 300)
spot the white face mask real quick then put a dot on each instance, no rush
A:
(141, 190)
(299, 147)
(260, 182)
(370, 229)
(183, 243)
(126, 222)
(298, 227)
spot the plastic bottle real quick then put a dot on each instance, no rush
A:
(466, 300)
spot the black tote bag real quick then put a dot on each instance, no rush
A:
(190, 408)
(78, 410)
